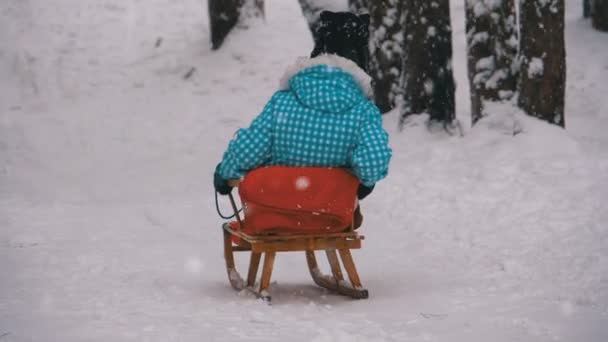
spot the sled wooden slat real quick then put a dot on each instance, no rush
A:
(334, 264)
(281, 237)
(266, 274)
(333, 283)
(349, 265)
(306, 245)
(333, 244)
(254, 263)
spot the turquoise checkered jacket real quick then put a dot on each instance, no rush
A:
(322, 116)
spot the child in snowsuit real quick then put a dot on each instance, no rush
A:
(322, 115)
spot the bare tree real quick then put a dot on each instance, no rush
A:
(599, 15)
(428, 79)
(386, 49)
(492, 48)
(224, 15)
(543, 60)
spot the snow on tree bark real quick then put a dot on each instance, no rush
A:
(428, 79)
(386, 49)
(225, 14)
(543, 60)
(492, 48)
(359, 6)
(251, 9)
(599, 15)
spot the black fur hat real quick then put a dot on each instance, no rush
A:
(344, 34)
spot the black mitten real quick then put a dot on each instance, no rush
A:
(220, 184)
(363, 191)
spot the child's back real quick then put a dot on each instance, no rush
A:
(321, 116)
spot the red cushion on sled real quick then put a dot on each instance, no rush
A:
(298, 200)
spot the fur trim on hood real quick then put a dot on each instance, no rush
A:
(346, 65)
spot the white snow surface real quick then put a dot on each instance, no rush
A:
(108, 230)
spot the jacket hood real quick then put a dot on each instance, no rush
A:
(328, 83)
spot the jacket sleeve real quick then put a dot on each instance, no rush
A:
(251, 147)
(372, 155)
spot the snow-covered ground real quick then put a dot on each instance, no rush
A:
(108, 230)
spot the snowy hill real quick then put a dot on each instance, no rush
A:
(108, 229)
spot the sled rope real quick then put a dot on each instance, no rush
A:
(219, 212)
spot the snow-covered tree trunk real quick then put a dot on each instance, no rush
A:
(386, 49)
(359, 6)
(225, 14)
(599, 15)
(428, 80)
(492, 48)
(543, 60)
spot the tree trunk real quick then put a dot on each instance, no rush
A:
(586, 8)
(428, 80)
(359, 6)
(599, 15)
(492, 49)
(386, 49)
(224, 15)
(543, 60)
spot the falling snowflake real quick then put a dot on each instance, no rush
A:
(302, 183)
(193, 265)
(428, 86)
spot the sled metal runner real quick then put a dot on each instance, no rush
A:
(336, 246)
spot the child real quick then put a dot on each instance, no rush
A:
(322, 115)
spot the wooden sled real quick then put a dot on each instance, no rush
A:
(334, 245)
